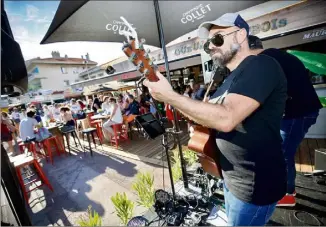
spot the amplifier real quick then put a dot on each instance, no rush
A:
(320, 159)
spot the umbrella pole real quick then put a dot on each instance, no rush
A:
(176, 122)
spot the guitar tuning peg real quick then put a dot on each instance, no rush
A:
(142, 40)
(148, 50)
(132, 57)
(141, 46)
(146, 56)
(155, 67)
(146, 72)
(140, 65)
(126, 45)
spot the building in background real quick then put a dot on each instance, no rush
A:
(56, 73)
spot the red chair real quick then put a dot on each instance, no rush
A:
(98, 125)
(89, 115)
(47, 143)
(31, 146)
(21, 161)
(120, 134)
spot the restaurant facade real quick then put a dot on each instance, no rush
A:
(300, 26)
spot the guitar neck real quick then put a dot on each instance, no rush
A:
(141, 60)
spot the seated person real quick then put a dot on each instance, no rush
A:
(81, 104)
(75, 108)
(106, 107)
(115, 117)
(133, 107)
(27, 125)
(66, 116)
(47, 113)
(37, 114)
(56, 112)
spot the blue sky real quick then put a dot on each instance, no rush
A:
(29, 21)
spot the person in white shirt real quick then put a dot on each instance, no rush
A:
(23, 114)
(115, 117)
(27, 125)
(106, 105)
(56, 112)
(187, 91)
(15, 116)
(75, 107)
(47, 113)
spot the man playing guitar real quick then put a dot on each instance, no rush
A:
(245, 111)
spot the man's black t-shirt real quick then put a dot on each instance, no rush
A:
(252, 161)
(302, 99)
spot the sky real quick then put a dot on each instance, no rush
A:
(30, 20)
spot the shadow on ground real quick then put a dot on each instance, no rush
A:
(79, 181)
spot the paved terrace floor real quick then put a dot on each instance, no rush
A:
(80, 180)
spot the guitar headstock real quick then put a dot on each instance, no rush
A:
(134, 49)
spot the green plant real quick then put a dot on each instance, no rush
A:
(93, 219)
(123, 207)
(144, 187)
(176, 171)
(190, 156)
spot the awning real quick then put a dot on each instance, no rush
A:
(133, 75)
(315, 62)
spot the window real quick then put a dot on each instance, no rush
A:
(100, 75)
(66, 82)
(75, 70)
(63, 70)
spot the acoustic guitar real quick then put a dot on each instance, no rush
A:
(203, 139)
(203, 142)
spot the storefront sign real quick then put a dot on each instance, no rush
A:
(315, 34)
(195, 13)
(266, 26)
(292, 18)
(184, 49)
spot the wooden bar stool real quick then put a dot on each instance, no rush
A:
(120, 134)
(21, 161)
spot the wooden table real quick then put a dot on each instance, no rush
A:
(99, 117)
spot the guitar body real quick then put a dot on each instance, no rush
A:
(203, 143)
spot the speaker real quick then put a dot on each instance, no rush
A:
(320, 159)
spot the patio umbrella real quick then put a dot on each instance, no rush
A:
(100, 21)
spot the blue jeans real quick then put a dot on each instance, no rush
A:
(240, 213)
(293, 132)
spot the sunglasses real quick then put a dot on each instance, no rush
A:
(217, 40)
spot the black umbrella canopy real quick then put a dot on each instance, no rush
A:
(100, 21)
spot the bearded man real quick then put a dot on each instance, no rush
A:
(246, 111)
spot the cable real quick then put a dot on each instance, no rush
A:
(298, 219)
(163, 169)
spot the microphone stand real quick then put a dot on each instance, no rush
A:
(164, 140)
